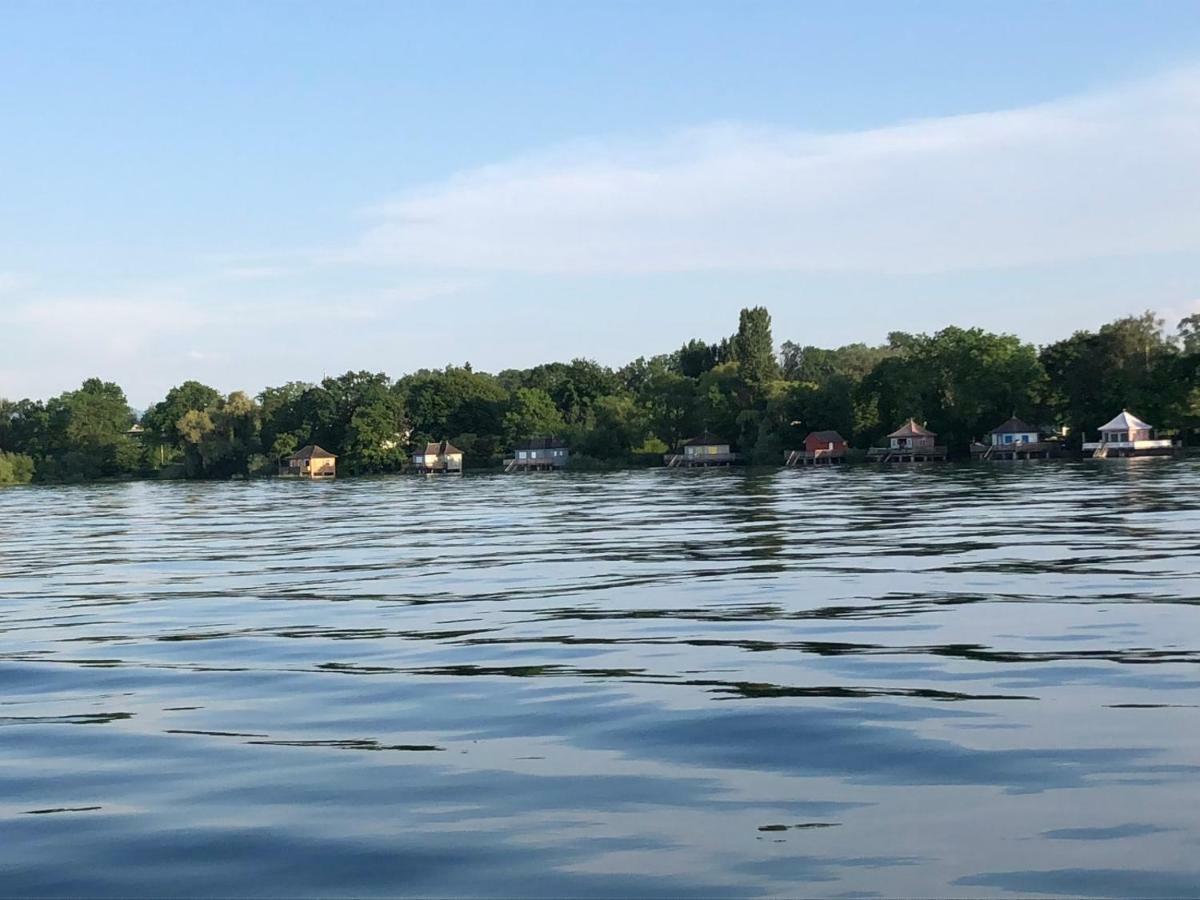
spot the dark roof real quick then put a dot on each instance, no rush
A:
(1014, 426)
(706, 440)
(312, 451)
(436, 449)
(912, 429)
(542, 443)
(830, 436)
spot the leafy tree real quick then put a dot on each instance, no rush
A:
(1189, 333)
(619, 426)
(669, 400)
(1127, 364)
(82, 434)
(15, 468)
(532, 414)
(697, 357)
(753, 349)
(962, 382)
(161, 419)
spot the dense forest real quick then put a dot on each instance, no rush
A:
(961, 382)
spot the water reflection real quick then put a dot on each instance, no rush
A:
(968, 681)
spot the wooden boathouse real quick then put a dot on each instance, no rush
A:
(705, 450)
(1127, 435)
(311, 461)
(1013, 440)
(544, 454)
(910, 443)
(439, 459)
(821, 448)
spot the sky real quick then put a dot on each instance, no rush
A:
(253, 193)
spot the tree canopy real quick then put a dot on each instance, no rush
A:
(960, 381)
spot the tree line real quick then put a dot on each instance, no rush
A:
(959, 381)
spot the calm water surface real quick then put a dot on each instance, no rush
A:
(964, 681)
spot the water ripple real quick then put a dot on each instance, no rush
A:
(959, 681)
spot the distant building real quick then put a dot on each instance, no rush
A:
(910, 435)
(1127, 435)
(820, 448)
(1015, 439)
(910, 443)
(704, 450)
(825, 441)
(439, 458)
(135, 431)
(1014, 431)
(311, 461)
(542, 454)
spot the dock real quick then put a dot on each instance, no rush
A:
(795, 458)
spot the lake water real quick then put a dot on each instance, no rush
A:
(968, 681)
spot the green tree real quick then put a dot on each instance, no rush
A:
(1189, 333)
(697, 357)
(532, 414)
(1127, 364)
(753, 349)
(15, 468)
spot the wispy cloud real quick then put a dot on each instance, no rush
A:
(1103, 174)
(11, 282)
(111, 326)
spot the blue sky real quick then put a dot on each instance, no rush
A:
(252, 193)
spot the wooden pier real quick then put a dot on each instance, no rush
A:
(1012, 452)
(532, 465)
(795, 458)
(700, 461)
(907, 454)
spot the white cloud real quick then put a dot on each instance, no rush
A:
(11, 282)
(256, 272)
(111, 327)
(1111, 173)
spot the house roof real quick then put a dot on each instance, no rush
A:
(831, 437)
(912, 429)
(312, 451)
(706, 440)
(1126, 421)
(440, 449)
(1015, 426)
(542, 443)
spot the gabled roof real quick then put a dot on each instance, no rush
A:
(912, 429)
(831, 437)
(1015, 426)
(542, 443)
(312, 451)
(440, 449)
(706, 440)
(1126, 421)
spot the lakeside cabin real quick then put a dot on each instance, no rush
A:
(908, 444)
(1015, 439)
(311, 461)
(544, 454)
(438, 459)
(820, 448)
(705, 450)
(1127, 435)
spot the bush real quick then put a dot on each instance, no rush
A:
(15, 468)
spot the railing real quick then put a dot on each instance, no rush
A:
(884, 454)
(537, 462)
(672, 460)
(794, 457)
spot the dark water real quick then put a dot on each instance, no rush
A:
(966, 681)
